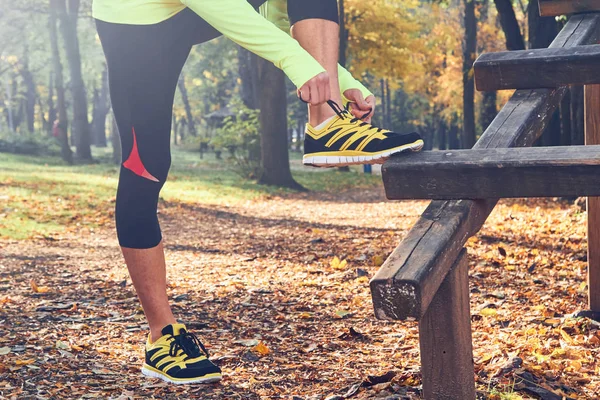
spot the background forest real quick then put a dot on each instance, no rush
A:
(415, 55)
(274, 281)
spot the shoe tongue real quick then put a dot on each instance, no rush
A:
(174, 329)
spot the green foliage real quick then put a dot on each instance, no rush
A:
(34, 144)
(240, 137)
(58, 195)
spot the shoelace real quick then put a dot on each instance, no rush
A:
(344, 114)
(189, 344)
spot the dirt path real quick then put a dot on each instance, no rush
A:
(262, 271)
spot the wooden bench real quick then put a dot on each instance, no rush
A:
(426, 277)
(495, 173)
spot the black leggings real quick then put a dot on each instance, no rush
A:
(144, 64)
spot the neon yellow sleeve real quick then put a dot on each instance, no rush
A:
(275, 11)
(237, 20)
(347, 81)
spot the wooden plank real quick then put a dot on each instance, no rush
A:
(553, 8)
(445, 339)
(592, 137)
(538, 68)
(494, 173)
(407, 282)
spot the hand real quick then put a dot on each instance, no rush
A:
(360, 106)
(316, 91)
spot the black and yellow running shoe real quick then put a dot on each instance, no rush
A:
(179, 357)
(348, 140)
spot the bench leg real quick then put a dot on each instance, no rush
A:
(592, 136)
(445, 339)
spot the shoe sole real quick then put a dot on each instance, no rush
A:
(366, 158)
(154, 373)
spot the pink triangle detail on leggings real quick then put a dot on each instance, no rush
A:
(134, 162)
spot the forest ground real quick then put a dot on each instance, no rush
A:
(259, 275)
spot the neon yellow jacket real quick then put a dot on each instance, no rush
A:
(237, 20)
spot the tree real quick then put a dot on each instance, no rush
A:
(469, 55)
(101, 107)
(186, 102)
(50, 103)
(273, 124)
(66, 153)
(30, 92)
(68, 15)
(510, 25)
(542, 30)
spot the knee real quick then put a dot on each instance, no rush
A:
(300, 10)
(136, 210)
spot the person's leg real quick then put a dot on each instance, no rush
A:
(315, 26)
(144, 65)
(334, 137)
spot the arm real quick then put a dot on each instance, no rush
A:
(237, 20)
(347, 81)
(275, 11)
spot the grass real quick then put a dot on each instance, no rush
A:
(41, 196)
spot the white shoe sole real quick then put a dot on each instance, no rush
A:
(205, 379)
(344, 161)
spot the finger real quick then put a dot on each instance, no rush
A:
(354, 110)
(303, 95)
(315, 95)
(371, 101)
(360, 100)
(327, 92)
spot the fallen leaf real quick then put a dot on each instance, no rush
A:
(488, 312)
(24, 362)
(261, 349)
(338, 264)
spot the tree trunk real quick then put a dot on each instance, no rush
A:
(42, 115)
(66, 153)
(343, 33)
(383, 105)
(388, 103)
(174, 127)
(442, 135)
(115, 138)
(542, 31)
(248, 70)
(273, 123)
(453, 135)
(9, 107)
(488, 109)
(100, 111)
(68, 25)
(577, 116)
(565, 120)
(510, 25)
(51, 107)
(186, 103)
(469, 54)
(30, 92)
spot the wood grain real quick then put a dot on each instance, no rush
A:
(494, 173)
(407, 282)
(538, 68)
(445, 339)
(553, 8)
(592, 137)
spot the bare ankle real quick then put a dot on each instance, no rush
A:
(319, 114)
(156, 330)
